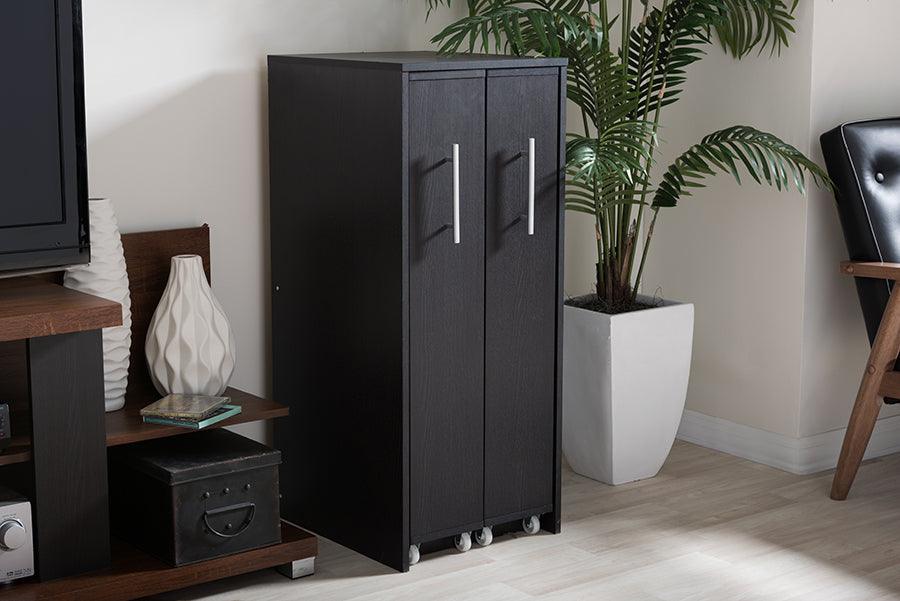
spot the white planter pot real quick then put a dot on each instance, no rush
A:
(190, 346)
(625, 380)
(106, 277)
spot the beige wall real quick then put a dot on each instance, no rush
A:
(176, 125)
(854, 76)
(779, 337)
(176, 96)
(737, 251)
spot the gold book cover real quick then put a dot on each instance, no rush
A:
(185, 406)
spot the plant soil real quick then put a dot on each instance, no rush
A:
(592, 302)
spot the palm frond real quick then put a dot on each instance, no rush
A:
(752, 24)
(620, 151)
(665, 43)
(764, 156)
(600, 87)
(515, 27)
(620, 94)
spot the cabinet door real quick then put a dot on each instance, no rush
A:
(446, 304)
(520, 293)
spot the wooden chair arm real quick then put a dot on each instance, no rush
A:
(865, 269)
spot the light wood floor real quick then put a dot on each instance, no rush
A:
(709, 527)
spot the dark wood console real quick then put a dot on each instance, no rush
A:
(51, 372)
(58, 331)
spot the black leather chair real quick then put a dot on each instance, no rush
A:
(863, 160)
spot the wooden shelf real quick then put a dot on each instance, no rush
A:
(32, 307)
(125, 426)
(36, 307)
(18, 451)
(135, 574)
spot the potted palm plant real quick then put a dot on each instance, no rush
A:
(627, 356)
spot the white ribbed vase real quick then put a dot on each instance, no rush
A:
(106, 277)
(190, 346)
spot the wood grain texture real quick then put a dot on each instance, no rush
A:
(890, 385)
(135, 574)
(446, 308)
(868, 269)
(336, 219)
(868, 402)
(32, 307)
(126, 426)
(520, 293)
(69, 454)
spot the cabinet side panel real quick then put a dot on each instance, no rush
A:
(553, 522)
(337, 309)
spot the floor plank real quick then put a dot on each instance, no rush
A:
(710, 527)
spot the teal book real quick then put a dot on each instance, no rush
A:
(224, 412)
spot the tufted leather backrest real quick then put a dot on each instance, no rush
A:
(863, 160)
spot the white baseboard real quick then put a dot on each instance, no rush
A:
(796, 455)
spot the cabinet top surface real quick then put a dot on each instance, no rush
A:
(421, 61)
(33, 307)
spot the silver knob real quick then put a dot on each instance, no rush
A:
(12, 535)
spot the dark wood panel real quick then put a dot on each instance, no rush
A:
(31, 307)
(71, 531)
(336, 158)
(446, 308)
(520, 292)
(135, 574)
(552, 522)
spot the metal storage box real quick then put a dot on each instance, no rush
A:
(195, 497)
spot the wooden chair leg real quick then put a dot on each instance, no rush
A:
(868, 399)
(859, 431)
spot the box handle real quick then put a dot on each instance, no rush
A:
(214, 512)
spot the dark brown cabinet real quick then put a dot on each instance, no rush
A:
(416, 224)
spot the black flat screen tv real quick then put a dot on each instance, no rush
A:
(43, 166)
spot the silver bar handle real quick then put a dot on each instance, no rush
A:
(456, 194)
(531, 186)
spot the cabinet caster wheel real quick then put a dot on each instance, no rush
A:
(463, 542)
(414, 555)
(484, 537)
(531, 525)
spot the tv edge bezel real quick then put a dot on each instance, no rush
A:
(66, 243)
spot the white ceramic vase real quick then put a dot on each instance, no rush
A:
(625, 380)
(106, 277)
(190, 346)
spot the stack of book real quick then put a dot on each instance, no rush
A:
(193, 411)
